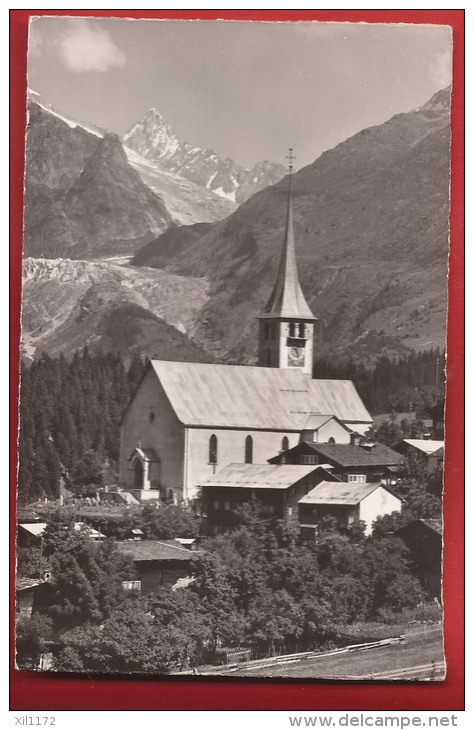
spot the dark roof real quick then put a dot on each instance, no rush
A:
(433, 525)
(144, 550)
(347, 455)
(351, 455)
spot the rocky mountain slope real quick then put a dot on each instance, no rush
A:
(155, 140)
(371, 224)
(86, 195)
(69, 304)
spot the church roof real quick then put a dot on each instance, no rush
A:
(287, 299)
(235, 396)
(260, 476)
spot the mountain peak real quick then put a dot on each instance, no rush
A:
(154, 112)
(154, 139)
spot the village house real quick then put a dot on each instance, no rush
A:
(159, 563)
(30, 533)
(187, 421)
(276, 488)
(350, 463)
(424, 540)
(28, 593)
(428, 452)
(348, 503)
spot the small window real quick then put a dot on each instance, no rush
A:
(285, 444)
(249, 450)
(215, 504)
(331, 440)
(308, 459)
(227, 505)
(213, 449)
(358, 478)
(292, 329)
(131, 585)
(301, 329)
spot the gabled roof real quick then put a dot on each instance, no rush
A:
(145, 454)
(287, 299)
(25, 584)
(427, 446)
(149, 550)
(235, 396)
(339, 493)
(348, 455)
(435, 525)
(315, 422)
(424, 526)
(260, 476)
(34, 528)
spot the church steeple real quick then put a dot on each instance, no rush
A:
(287, 323)
(287, 299)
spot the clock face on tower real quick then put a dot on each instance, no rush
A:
(296, 357)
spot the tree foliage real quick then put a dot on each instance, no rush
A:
(69, 421)
(414, 382)
(32, 634)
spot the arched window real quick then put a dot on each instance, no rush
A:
(292, 329)
(331, 440)
(138, 474)
(301, 329)
(249, 450)
(285, 444)
(213, 449)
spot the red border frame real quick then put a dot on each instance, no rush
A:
(35, 692)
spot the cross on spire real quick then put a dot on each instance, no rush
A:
(290, 157)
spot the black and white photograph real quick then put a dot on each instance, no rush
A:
(233, 349)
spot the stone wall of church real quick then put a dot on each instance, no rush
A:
(230, 450)
(151, 422)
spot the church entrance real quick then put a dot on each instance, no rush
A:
(138, 474)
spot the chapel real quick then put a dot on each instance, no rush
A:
(188, 421)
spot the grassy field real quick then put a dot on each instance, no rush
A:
(413, 660)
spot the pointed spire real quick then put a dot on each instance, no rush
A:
(287, 299)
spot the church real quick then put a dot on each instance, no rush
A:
(188, 421)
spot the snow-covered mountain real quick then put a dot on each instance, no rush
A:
(88, 195)
(371, 219)
(153, 138)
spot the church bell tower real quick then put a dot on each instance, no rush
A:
(286, 325)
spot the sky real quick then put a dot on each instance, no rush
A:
(248, 90)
